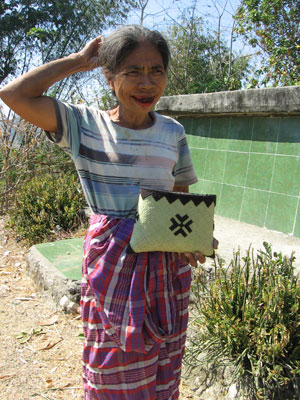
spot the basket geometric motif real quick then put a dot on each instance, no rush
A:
(176, 222)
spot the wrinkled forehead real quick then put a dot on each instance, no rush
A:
(145, 55)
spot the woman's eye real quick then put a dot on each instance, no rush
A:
(157, 71)
(132, 73)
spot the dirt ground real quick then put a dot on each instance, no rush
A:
(40, 346)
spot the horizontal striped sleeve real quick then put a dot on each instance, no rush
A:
(68, 127)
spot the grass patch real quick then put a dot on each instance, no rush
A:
(248, 316)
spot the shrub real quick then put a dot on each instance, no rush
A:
(25, 152)
(249, 317)
(45, 204)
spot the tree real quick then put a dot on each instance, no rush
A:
(38, 30)
(151, 17)
(35, 32)
(273, 26)
(201, 62)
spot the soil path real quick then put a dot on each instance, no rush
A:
(40, 346)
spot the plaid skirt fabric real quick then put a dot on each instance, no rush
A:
(134, 311)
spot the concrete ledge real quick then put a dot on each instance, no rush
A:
(47, 277)
(260, 102)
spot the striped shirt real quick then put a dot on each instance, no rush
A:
(113, 162)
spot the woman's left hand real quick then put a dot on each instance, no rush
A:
(193, 258)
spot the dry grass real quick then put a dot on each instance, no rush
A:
(40, 347)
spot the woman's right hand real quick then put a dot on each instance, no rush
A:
(89, 54)
(24, 95)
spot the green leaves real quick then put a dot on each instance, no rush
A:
(24, 337)
(201, 62)
(46, 204)
(49, 30)
(273, 27)
(250, 315)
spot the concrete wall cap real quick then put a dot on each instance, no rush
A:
(269, 101)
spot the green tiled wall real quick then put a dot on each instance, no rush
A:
(252, 164)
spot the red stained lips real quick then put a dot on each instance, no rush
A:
(144, 101)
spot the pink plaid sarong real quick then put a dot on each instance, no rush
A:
(134, 311)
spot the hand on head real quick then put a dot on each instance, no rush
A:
(90, 54)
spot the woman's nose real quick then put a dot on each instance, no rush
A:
(146, 81)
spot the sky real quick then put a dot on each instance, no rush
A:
(159, 14)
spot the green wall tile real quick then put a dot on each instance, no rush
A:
(189, 124)
(219, 133)
(289, 136)
(240, 134)
(254, 206)
(286, 175)
(260, 171)
(265, 134)
(65, 255)
(236, 168)
(297, 225)
(197, 187)
(197, 142)
(199, 157)
(215, 165)
(202, 142)
(281, 213)
(229, 164)
(202, 126)
(197, 130)
(192, 141)
(207, 187)
(230, 201)
(215, 188)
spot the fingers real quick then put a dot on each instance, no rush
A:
(96, 41)
(93, 45)
(183, 258)
(90, 54)
(200, 257)
(215, 244)
(99, 41)
(192, 258)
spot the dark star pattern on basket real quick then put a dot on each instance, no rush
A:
(181, 225)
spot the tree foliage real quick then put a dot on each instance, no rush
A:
(45, 30)
(201, 61)
(34, 32)
(274, 27)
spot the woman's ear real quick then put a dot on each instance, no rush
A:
(109, 80)
(111, 85)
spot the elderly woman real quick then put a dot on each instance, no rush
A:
(133, 306)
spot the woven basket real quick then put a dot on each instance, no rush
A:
(173, 222)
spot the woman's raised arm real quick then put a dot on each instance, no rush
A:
(24, 94)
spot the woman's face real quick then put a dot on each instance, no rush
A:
(140, 80)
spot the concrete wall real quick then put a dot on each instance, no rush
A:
(245, 147)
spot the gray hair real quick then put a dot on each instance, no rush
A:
(120, 43)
